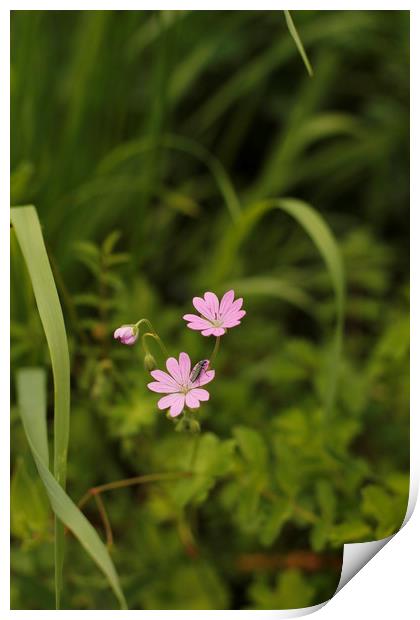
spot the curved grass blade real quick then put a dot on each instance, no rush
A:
(296, 38)
(31, 401)
(315, 226)
(178, 143)
(28, 232)
(273, 287)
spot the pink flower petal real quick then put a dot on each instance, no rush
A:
(192, 317)
(231, 323)
(234, 319)
(163, 377)
(177, 406)
(205, 377)
(168, 401)
(191, 401)
(126, 334)
(237, 304)
(212, 302)
(208, 331)
(157, 386)
(200, 394)
(184, 367)
(226, 302)
(173, 369)
(198, 326)
(213, 331)
(200, 305)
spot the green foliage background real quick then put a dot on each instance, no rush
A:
(123, 123)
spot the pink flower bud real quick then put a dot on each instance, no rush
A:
(127, 334)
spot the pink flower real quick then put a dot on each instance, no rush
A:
(178, 386)
(215, 318)
(127, 334)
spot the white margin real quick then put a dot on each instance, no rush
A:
(356, 555)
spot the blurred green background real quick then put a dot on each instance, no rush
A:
(129, 130)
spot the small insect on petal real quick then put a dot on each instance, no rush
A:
(198, 370)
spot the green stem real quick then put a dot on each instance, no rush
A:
(158, 340)
(146, 322)
(105, 520)
(120, 484)
(215, 351)
(153, 334)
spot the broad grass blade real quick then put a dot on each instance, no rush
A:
(29, 235)
(28, 232)
(31, 401)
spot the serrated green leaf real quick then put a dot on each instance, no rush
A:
(326, 500)
(349, 532)
(387, 510)
(319, 535)
(292, 591)
(212, 459)
(278, 513)
(252, 446)
(110, 242)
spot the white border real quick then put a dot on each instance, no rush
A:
(396, 565)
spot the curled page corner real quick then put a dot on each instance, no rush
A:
(355, 557)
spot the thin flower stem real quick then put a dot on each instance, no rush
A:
(146, 322)
(127, 482)
(186, 537)
(154, 334)
(158, 340)
(84, 500)
(215, 350)
(104, 516)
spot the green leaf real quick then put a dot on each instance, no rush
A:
(292, 591)
(296, 38)
(349, 532)
(252, 446)
(209, 458)
(326, 499)
(319, 535)
(110, 242)
(278, 513)
(31, 397)
(387, 510)
(28, 232)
